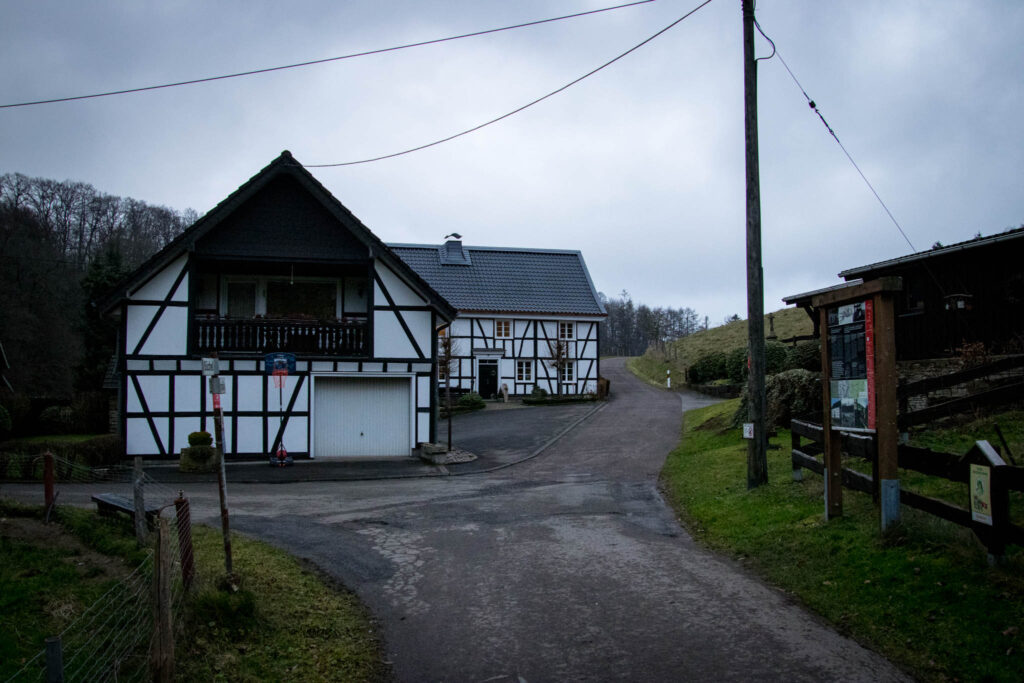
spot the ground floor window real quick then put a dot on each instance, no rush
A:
(524, 371)
(568, 372)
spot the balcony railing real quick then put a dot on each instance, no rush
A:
(313, 337)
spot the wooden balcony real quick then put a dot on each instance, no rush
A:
(259, 336)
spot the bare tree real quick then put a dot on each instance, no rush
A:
(447, 360)
(559, 359)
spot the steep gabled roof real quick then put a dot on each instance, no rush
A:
(283, 165)
(505, 280)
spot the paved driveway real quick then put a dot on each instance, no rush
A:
(568, 566)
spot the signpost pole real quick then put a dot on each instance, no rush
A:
(886, 407)
(832, 439)
(218, 422)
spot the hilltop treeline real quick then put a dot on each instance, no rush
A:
(630, 328)
(62, 245)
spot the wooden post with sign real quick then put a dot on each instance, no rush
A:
(858, 371)
(211, 368)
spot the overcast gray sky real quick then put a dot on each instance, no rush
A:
(641, 166)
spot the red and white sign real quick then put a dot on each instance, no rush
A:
(216, 401)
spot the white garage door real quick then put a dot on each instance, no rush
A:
(361, 416)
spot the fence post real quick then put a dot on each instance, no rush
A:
(188, 567)
(54, 660)
(162, 653)
(140, 504)
(798, 472)
(48, 477)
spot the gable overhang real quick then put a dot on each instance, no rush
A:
(283, 165)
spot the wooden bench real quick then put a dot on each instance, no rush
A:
(112, 503)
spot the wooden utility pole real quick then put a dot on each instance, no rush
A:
(757, 447)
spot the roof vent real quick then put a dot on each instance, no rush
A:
(452, 252)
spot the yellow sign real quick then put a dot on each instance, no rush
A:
(981, 500)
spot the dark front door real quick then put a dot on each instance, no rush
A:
(488, 378)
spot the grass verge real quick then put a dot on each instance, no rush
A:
(285, 622)
(922, 595)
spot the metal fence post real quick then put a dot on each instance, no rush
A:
(54, 660)
(188, 567)
(48, 477)
(140, 504)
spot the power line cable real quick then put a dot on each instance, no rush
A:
(314, 62)
(811, 103)
(518, 109)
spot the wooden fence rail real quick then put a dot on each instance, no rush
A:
(1004, 478)
(999, 395)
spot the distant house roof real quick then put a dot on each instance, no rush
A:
(505, 280)
(977, 242)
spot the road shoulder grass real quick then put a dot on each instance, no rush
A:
(923, 595)
(286, 621)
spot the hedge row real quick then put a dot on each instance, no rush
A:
(732, 365)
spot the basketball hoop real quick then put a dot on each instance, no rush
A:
(279, 374)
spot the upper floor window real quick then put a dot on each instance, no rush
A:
(566, 330)
(503, 329)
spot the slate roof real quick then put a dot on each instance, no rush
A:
(505, 280)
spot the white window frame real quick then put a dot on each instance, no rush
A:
(567, 373)
(524, 370)
(566, 330)
(498, 325)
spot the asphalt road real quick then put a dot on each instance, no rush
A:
(568, 566)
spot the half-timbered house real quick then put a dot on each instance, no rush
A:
(526, 317)
(279, 266)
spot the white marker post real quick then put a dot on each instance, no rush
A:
(668, 379)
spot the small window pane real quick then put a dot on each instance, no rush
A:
(303, 300)
(241, 299)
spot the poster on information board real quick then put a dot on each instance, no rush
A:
(851, 366)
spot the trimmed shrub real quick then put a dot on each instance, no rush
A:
(538, 392)
(805, 356)
(5, 423)
(99, 451)
(736, 365)
(789, 394)
(57, 420)
(91, 410)
(199, 458)
(775, 356)
(709, 367)
(472, 401)
(200, 439)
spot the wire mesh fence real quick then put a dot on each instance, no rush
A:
(113, 638)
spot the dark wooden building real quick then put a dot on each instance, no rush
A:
(952, 295)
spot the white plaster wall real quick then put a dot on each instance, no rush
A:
(389, 339)
(402, 294)
(159, 285)
(170, 336)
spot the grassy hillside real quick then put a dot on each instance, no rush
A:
(789, 322)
